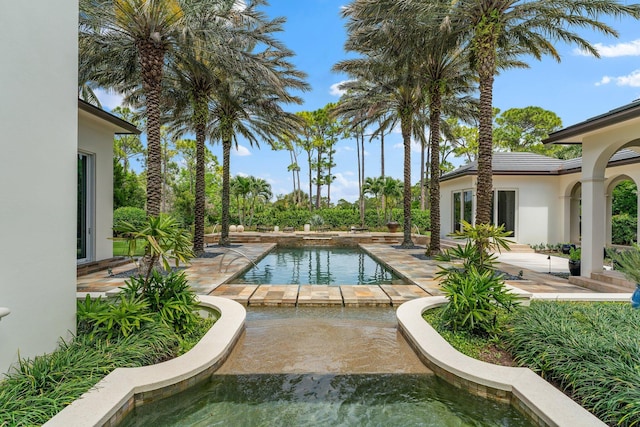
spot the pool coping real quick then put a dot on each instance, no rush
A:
(117, 394)
(522, 387)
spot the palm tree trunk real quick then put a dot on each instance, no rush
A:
(151, 59)
(434, 187)
(310, 183)
(201, 112)
(405, 125)
(383, 199)
(486, 54)
(318, 176)
(423, 195)
(226, 157)
(360, 183)
(362, 178)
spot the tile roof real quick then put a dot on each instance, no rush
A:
(522, 163)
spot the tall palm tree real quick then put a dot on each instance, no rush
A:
(248, 104)
(391, 71)
(124, 44)
(520, 27)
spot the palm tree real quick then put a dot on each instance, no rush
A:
(520, 27)
(390, 75)
(124, 44)
(374, 186)
(248, 105)
(393, 191)
(260, 191)
(240, 187)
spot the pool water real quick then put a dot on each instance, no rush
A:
(326, 400)
(318, 266)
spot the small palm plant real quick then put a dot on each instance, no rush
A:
(476, 291)
(164, 240)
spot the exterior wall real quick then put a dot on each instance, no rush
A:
(538, 217)
(38, 112)
(539, 212)
(95, 136)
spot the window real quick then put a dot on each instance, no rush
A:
(462, 208)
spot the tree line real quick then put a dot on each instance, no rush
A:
(215, 69)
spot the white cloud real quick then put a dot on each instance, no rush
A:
(343, 188)
(109, 99)
(632, 80)
(242, 174)
(415, 147)
(335, 90)
(240, 151)
(631, 48)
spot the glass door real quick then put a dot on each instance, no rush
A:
(85, 203)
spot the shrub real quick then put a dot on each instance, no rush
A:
(624, 229)
(170, 296)
(134, 216)
(476, 292)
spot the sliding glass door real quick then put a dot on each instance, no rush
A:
(85, 208)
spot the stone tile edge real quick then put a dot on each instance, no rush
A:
(545, 402)
(99, 405)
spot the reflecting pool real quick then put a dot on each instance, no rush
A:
(319, 266)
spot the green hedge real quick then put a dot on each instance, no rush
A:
(624, 229)
(336, 218)
(135, 216)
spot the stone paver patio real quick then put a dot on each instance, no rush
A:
(209, 275)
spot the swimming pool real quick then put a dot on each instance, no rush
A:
(318, 266)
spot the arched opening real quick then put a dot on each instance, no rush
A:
(622, 211)
(575, 214)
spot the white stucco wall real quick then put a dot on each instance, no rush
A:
(538, 207)
(38, 117)
(95, 137)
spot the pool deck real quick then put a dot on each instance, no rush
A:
(208, 276)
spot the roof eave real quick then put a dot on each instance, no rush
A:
(573, 134)
(127, 127)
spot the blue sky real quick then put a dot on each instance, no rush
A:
(576, 89)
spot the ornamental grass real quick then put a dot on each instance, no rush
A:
(591, 350)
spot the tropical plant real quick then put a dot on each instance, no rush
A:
(248, 103)
(125, 44)
(575, 254)
(164, 240)
(476, 291)
(128, 314)
(475, 299)
(170, 296)
(628, 262)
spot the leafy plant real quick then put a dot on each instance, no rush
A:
(165, 241)
(575, 254)
(628, 262)
(86, 312)
(316, 221)
(475, 299)
(169, 295)
(475, 290)
(590, 349)
(128, 314)
(127, 214)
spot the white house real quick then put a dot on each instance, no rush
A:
(96, 129)
(42, 122)
(546, 200)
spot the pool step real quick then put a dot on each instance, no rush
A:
(319, 295)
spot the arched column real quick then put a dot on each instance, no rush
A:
(593, 224)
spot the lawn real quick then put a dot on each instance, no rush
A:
(121, 248)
